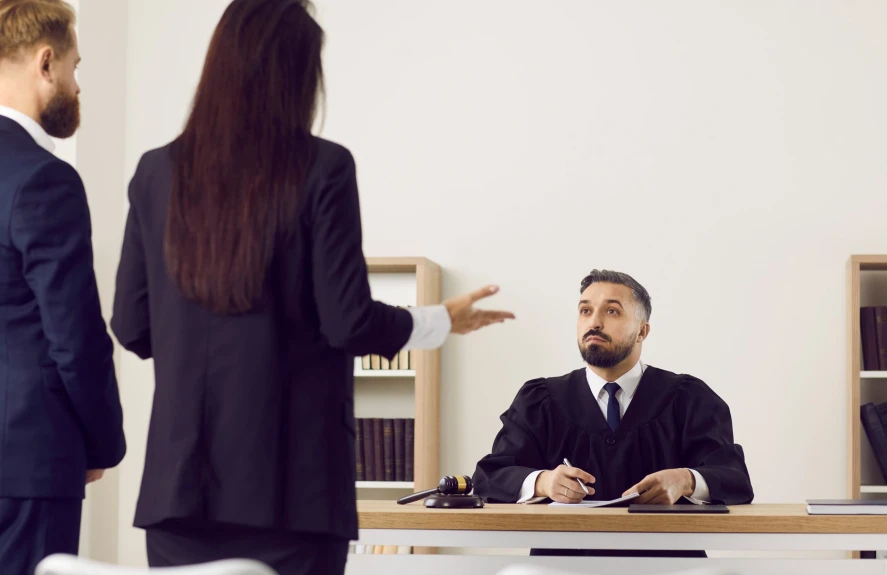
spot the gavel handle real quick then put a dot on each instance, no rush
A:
(416, 496)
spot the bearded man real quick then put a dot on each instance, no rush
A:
(624, 426)
(60, 416)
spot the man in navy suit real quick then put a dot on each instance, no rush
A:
(60, 417)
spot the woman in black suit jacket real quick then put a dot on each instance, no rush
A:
(242, 276)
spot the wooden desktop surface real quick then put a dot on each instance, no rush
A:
(763, 518)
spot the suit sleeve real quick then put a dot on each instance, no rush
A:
(130, 321)
(518, 448)
(349, 318)
(707, 446)
(51, 229)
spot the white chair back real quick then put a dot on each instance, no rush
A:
(70, 565)
(524, 569)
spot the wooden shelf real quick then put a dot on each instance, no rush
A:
(873, 489)
(861, 293)
(383, 373)
(869, 263)
(401, 265)
(419, 386)
(385, 485)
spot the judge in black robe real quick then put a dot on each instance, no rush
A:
(674, 423)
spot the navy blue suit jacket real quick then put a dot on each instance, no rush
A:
(59, 404)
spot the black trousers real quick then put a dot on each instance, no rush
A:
(178, 542)
(31, 529)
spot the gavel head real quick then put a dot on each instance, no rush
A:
(455, 485)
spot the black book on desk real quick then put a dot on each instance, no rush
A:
(847, 506)
(874, 420)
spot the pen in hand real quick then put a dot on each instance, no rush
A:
(582, 485)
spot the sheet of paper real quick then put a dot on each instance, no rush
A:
(628, 497)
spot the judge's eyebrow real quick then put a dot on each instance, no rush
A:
(587, 302)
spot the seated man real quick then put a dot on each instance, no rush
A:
(625, 426)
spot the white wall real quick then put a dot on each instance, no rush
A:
(728, 155)
(102, 31)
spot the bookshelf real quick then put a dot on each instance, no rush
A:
(866, 286)
(404, 393)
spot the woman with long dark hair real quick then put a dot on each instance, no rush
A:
(243, 277)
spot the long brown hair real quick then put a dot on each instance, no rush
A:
(244, 153)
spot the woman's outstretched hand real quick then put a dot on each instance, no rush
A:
(465, 318)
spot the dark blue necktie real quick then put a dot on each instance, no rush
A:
(612, 405)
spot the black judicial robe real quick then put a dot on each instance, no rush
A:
(673, 421)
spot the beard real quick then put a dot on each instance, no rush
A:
(596, 355)
(61, 118)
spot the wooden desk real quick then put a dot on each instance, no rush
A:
(746, 528)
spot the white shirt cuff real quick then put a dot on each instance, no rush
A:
(431, 326)
(528, 489)
(701, 495)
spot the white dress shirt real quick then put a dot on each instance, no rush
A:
(628, 384)
(431, 326)
(33, 128)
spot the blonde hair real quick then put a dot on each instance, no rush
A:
(24, 24)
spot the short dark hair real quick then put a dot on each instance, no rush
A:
(638, 291)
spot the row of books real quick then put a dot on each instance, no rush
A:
(403, 360)
(384, 449)
(874, 421)
(381, 550)
(873, 328)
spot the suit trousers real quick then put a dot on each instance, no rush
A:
(177, 542)
(31, 529)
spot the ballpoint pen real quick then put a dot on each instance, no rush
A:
(582, 485)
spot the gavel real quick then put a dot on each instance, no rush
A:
(449, 485)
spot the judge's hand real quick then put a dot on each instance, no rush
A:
(664, 487)
(465, 318)
(94, 475)
(560, 484)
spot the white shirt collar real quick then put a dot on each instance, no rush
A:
(33, 128)
(628, 382)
